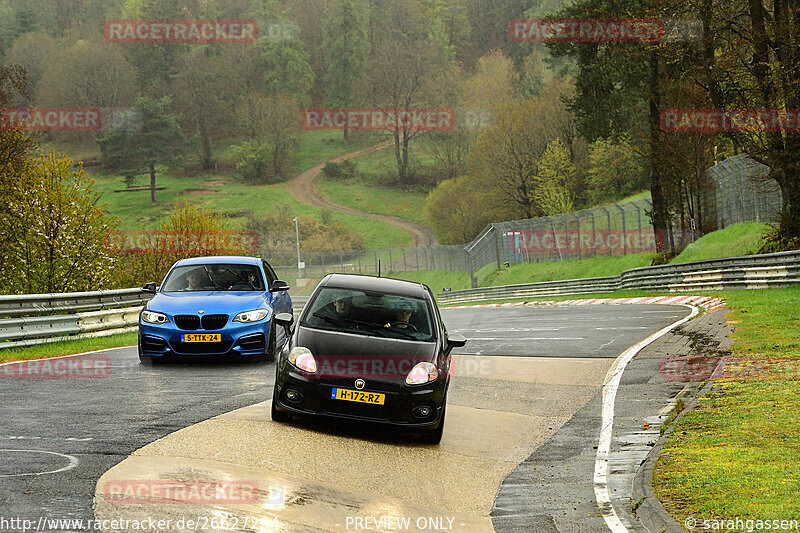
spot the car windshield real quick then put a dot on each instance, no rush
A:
(214, 277)
(370, 313)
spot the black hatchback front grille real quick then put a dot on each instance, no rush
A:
(187, 321)
(369, 384)
(214, 321)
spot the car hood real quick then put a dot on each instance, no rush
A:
(346, 355)
(211, 302)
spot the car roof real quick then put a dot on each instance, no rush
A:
(219, 259)
(372, 283)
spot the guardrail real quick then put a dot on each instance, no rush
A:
(746, 272)
(28, 319)
(37, 318)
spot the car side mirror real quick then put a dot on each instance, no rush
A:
(150, 286)
(279, 285)
(285, 320)
(456, 341)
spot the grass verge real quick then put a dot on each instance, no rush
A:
(735, 455)
(737, 239)
(67, 347)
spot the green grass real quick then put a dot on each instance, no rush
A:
(385, 162)
(225, 193)
(738, 239)
(67, 347)
(436, 279)
(235, 199)
(593, 267)
(373, 198)
(318, 146)
(736, 453)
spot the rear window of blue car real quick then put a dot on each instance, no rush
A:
(214, 277)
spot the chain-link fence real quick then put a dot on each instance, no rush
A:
(739, 192)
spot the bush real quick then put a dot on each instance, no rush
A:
(339, 171)
(253, 160)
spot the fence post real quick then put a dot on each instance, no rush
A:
(376, 261)
(390, 261)
(473, 280)
(624, 243)
(341, 261)
(405, 266)
(416, 256)
(578, 230)
(359, 264)
(497, 236)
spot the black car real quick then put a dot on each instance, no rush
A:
(366, 348)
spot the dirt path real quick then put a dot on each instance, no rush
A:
(304, 188)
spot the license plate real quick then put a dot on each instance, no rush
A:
(358, 396)
(201, 337)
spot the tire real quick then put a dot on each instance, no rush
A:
(144, 359)
(434, 436)
(269, 354)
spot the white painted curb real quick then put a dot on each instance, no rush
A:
(610, 387)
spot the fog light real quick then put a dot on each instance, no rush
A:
(422, 411)
(292, 396)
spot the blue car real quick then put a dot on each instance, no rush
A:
(214, 306)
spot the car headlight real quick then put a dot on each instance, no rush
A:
(422, 373)
(302, 359)
(251, 316)
(154, 318)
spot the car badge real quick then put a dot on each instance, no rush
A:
(200, 312)
(360, 383)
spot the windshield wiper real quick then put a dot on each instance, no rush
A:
(401, 332)
(240, 278)
(211, 279)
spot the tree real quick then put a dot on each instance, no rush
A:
(556, 172)
(33, 51)
(453, 210)
(189, 230)
(346, 50)
(615, 170)
(159, 142)
(286, 68)
(273, 131)
(506, 156)
(87, 74)
(406, 74)
(61, 231)
(201, 98)
(16, 149)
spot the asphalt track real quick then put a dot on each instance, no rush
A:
(525, 373)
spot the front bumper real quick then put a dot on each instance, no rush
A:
(400, 400)
(160, 340)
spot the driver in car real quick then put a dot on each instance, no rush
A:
(402, 314)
